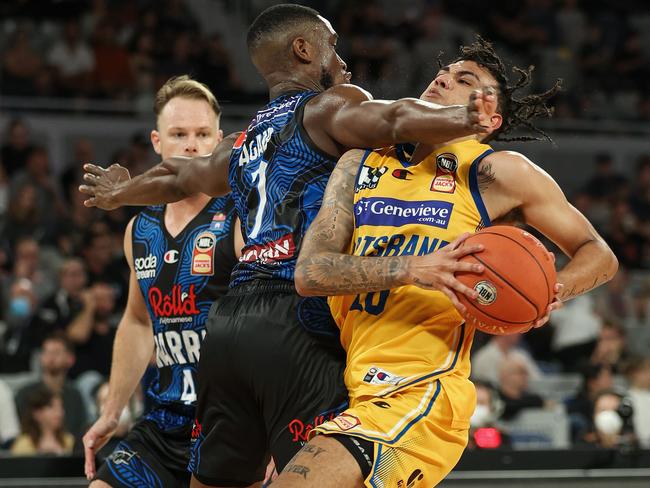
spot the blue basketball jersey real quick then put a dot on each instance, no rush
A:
(278, 177)
(179, 278)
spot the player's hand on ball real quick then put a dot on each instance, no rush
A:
(100, 182)
(436, 271)
(554, 305)
(96, 438)
(482, 106)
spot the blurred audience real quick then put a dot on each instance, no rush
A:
(56, 359)
(486, 361)
(9, 426)
(43, 431)
(638, 374)
(612, 424)
(484, 432)
(514, 390)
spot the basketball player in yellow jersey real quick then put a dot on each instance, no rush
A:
(384, 247)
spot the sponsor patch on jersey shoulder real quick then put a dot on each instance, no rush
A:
(345, 421)
(378, 376)
(218, 222)
(369, 177)
(203, 254)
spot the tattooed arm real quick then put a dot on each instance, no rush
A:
(325, 268)
(520, 184)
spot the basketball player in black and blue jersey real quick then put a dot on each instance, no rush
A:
(274, 370)
(180, 256)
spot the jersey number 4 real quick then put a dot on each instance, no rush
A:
(189, 391)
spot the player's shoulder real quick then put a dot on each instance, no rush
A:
(339, 95)
(508, 163)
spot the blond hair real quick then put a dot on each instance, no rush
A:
(185, 87)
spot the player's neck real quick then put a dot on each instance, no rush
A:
(423, 150)
(280, 83)
(179, 214)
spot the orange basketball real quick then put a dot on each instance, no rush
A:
(518, 282)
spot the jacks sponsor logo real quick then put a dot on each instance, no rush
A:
(145, 268)
(445, 180)
(255, 147)
(345, 421)
(279, 250)
(378, 376)
(175, 304)
(203, 254)
(378, 211)
(369, 177)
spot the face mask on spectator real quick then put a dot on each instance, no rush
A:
(481, 417)
(20, 307)
(608, 422)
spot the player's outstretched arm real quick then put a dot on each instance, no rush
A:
(325, 266)
(351, 118)
(546, 208)
(132, 350)
(171, 180)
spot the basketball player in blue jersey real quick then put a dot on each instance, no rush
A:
(410, 402)
(180, 256)
(275, 365)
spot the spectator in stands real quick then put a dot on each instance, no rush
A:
(513, 388)
(102, 263)
(606, 181)
(112, 76)
(9, 427)
(595, 378)
(21, 64)
(42, 426)
(21, 304)
(17, 147)
(216, 68)
(612, 421)
(576, 327)
(59, 309)
(84, 151)
(638, 375)
(484, 432)
(486, 361)
(93, 330)
(72, 60)
(640, 200)
(56, 359)
(37, 172)
(610, 348)
(4, 195)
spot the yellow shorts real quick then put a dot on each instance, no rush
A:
(418, 434)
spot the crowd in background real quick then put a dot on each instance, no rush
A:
(63, 277)
(601, 49)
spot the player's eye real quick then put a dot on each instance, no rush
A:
(463, 81)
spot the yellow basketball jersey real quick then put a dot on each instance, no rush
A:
(400, 337)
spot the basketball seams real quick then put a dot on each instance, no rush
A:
(548, 298)
(511, 287)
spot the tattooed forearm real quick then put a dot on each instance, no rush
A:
(574, 291)
(324, 266)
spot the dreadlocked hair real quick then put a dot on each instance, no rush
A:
(516, 112)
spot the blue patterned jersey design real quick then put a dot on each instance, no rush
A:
(180, 277)
(278, 177)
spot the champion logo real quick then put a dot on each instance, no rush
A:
(171, 256)
(401, 174)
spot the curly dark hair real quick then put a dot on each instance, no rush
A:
(515, 111)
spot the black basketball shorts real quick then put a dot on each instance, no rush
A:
(271, 369)
(149, 458)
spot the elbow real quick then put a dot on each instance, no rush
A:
(301, 282)
(612, 265)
